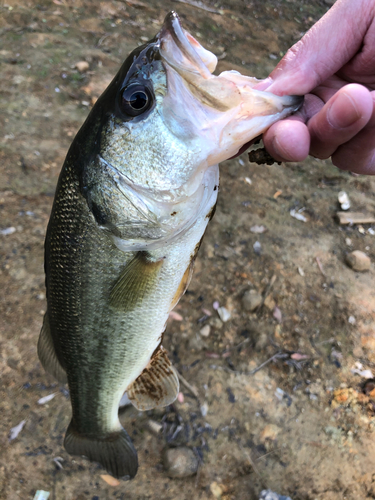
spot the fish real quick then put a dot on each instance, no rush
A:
(135, 194)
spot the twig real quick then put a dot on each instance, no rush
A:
(188, 386)
(272, 358)
(278, 355)
(267, 292)
(320, 266)
(251, 462)
(102, 38)
(236, 346)
(329, 341)
(269, 453)
(200, 5)
(355, 218)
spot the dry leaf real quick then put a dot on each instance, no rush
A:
(112, 481)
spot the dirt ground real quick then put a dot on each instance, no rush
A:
(303, 425)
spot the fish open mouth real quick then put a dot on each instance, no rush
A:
(225, 109)
(190, 55)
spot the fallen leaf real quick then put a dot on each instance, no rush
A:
(277, 314)
(298, 356)
(112, 481)
(174, 315)
(14, 431)
(298, 215)
(45, 399)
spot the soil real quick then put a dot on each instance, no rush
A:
(303, 425)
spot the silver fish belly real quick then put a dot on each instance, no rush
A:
(135, 195)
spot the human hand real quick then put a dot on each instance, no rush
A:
(334, 65)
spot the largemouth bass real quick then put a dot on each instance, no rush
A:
(134, 197)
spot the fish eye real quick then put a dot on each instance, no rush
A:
(135, 100)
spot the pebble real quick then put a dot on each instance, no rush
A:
(180, 462)
(344, 200)
(204, 409)
(82, 66)
(271, 495)
(251, 300)
(205, 331)
(358, 261)
(216, 323)
(269, 432)
(257, 247)
(257, 229)
(224, 314)
(7, 231)
(270, 303)
(216, 489)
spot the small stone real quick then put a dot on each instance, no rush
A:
(216, 323)
(205, 331)
(7, 231)
(82, 66)
(257, 229)
(358, 261)
(271, 495)
(352, 320)
(224, 314)
(301, 271)
(344, 200)
(257, 247)
(196, 342)
(269, 432)
(204, 409)
(358, 352)
(261, 342)
(216, 489)
(251, 300)
(180, 462)
(270, 303)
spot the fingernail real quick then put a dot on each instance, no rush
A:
(264, 84)
(343, 112)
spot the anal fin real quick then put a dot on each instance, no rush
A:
(157, 386)
(47, 353)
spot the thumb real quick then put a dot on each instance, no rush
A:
(323, 50)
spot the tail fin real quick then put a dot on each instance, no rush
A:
(115, 452)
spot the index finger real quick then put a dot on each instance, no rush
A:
(325, 48)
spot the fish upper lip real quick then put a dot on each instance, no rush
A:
(172, 27)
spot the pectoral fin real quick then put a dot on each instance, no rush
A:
(47, 354)
(136, 280)
(157, 386)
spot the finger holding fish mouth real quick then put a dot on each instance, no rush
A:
(324, 129)
(333, 66)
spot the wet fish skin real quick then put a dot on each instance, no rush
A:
(132, 204)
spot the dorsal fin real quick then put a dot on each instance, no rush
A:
(157, 385)
(47, 354)
(137, 279)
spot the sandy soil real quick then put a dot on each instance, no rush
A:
(303, 424)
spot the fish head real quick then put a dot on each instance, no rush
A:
(152, 137)
(165, 108)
